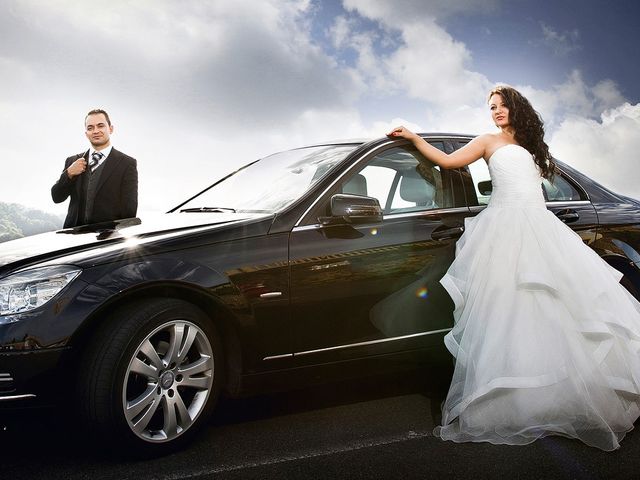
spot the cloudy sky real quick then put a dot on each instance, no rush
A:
(196, 88)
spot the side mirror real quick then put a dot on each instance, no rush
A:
(353, 209)
(485, 187)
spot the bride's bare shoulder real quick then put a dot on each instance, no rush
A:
(492, 142)
(485, 144)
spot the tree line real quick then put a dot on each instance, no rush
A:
(18, 221)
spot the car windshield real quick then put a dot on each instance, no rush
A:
(270, 184)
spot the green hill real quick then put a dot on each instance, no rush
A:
(19, 221)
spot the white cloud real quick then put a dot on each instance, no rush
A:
(432, 66)
(380, 128)
(340, 31)
(605, 149)
(577, 98)
(399, 13)
(607, 95)
(162, 30)
(428, 64)
(573, 98)
(422, 62)
(561, 44)
(256, 59)
(463, 119)
(316, 126)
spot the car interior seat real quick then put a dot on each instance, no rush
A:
(357, 185)
(417, 190)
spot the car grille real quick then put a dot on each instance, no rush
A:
(6, 383)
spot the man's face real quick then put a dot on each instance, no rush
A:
(97, 130)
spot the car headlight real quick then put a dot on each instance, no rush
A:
(28, 289)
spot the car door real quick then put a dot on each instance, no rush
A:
(571, 204)
(373, 288)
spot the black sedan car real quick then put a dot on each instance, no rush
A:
(304, 265)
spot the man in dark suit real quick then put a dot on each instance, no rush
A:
(102, 182)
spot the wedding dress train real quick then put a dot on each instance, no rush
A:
(546, 340)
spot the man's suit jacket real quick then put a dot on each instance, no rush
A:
(116, 194)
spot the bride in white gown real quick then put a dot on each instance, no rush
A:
(546, 340)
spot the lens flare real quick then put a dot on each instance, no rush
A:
(374, 231)
(422, 292)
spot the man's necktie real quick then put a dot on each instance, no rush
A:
(95, 159)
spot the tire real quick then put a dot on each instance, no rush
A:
(150, 376)
(631, 287)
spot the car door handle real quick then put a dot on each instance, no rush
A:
(568, 216)
(447, 233)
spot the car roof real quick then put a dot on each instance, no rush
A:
(365, 140)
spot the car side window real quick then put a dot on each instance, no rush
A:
(402, 180)
(560, 190)
(478, 172)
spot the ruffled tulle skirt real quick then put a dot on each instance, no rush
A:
(546, 340)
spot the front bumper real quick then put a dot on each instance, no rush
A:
(31, 377)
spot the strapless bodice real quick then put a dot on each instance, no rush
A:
(515, 178)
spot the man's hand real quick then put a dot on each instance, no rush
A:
(77, 167)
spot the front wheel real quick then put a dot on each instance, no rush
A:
(150, 378)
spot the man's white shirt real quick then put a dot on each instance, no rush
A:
(105, 153)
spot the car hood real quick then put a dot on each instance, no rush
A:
(90, 236)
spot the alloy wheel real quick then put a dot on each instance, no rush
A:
(168, 381)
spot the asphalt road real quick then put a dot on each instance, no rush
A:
(367, 429)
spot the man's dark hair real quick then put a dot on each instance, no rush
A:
(96, 111)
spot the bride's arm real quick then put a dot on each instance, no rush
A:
(471, 152)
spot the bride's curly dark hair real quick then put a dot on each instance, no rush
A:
(528, 127)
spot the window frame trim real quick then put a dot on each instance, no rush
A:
(584, 195)
(469, 185)
(435, 212)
